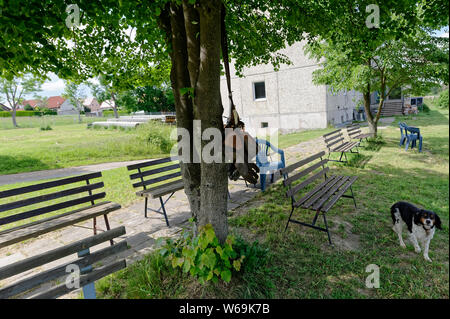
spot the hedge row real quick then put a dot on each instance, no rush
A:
(111, 113)
(27, 113)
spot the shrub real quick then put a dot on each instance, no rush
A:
(46, 128)
(111, 113)
(203, 256)
(443, 100)
(156, 134)
(20, 113)
(28, 107)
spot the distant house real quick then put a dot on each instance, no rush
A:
(55, 102)
(67, 108)
(32, 103)
(107, 105)
(92, 104)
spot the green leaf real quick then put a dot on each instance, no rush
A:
(226, 275)
(237, 265)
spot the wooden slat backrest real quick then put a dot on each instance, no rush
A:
(57, 272)
(155, 171)
(315, 169)
(23, 202)
(353, 130)
(333, 138)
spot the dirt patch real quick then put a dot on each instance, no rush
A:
(343, 237)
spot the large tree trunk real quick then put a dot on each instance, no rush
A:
(207, 102)
(193, 33)
(372, 123)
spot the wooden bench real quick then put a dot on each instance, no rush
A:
(354, 133)
(69, 276)
(73, 197)
(319, 196)
(157, 178)
(336, 143)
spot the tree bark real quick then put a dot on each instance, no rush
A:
(114, 106)
(193, 35)
(13, 116)
(370, 120)
(214, 182)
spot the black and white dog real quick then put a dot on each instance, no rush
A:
(421, 225)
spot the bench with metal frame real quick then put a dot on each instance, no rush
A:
(335, 143)
(320, 197)
(354, 133)
(71, 197)
(69, 276)
(163, 176)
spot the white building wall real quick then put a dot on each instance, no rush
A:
(292, 101)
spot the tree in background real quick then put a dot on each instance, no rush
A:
(414, 63)
(104, 91)
(76, 94)
(16, 88)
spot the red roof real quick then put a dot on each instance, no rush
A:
(54, 102)
(31, 103)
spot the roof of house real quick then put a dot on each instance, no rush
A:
(31, 103)
(88, 101)
(108, 104)
(54, 102)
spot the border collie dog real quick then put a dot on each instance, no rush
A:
(421, 225)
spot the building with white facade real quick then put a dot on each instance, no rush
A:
(287, 99)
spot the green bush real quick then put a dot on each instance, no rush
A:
(20, 113)
(46, 128)
(443, 100)
(111, 113)
(203, 256)
(157, 135)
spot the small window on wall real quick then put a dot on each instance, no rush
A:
(259, 91)
(264, 124)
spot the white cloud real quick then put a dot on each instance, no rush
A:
(53, 86)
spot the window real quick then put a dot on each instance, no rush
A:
(259, 91)
(264, 124)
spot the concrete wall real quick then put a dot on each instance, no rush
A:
(292, 101)
(340, 105)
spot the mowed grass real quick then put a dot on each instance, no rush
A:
(301, 264)
(39, 121)
(31, 149)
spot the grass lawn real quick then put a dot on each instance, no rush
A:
(68, 145)
(301, 264)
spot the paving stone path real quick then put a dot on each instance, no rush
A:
(141, 232)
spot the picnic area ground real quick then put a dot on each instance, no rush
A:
(298, 263)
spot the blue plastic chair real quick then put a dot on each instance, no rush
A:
(413, 137)
(266, 167)
(403, 133)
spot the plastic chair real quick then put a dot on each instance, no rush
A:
(403, 133)
(267, 167)
(413, 137)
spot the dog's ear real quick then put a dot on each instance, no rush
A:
(437, 222)
(417, 216)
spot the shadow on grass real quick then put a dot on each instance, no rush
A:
(20, 164)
